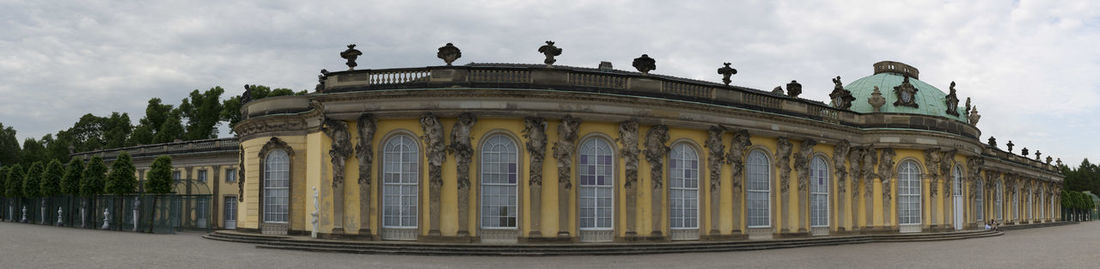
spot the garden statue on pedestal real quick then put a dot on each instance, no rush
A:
(316, 210)
(137, 205)
(43, 214)
(59, 221)
(106, 219)
(24, 220)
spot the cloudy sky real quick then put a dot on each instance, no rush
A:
(1031, 67)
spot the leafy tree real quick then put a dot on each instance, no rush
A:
(51, 179)
(156, 114)
(32, 181)
(15, 181)
(93, 133)
(171, 130)
(56, 148)
(117, 129)
(9, 146)
(3, 181)
(93, 178)
(33, 152)
(70, 183)
(160, 176)
(203, 111)
(121, 179)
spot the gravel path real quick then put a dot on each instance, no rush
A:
(34, 246)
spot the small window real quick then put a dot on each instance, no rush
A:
(202, 175)
(231, 175)
(176, 176)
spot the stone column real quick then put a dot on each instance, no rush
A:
(364, 153)
(716, 151)
(856, 172)
(655, 153)
(464, 153)
(886, 175)
(840, 154)
(563, 153)
(435, 150)
(783, 165)
(628, 140)
(341, 149)
(534, 130)
(802, 164)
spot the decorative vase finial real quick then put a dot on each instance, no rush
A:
(645, 64)
(449, 53)
(550, 51)
(794, 89)
(726, 72)
(351, 54)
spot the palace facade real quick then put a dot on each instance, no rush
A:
(538, 153)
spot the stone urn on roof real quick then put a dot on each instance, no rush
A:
(550, 51)
(449, 53)
(645, 64)
(876, 100)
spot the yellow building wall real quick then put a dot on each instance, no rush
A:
(248, 213)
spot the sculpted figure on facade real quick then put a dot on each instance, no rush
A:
(947, 162)
(840, 151)
(932, 159)
(435, 148)
(841, 98)
(783, 162)
(736, 156)
(341, 149)
(886, 170)
(462, 148)
(855, 155)
(952, 101)
(365, 150)
(717, 152)
(565, 147)
(655, 151)
(240, 174)
(628, 140)
(802, 162)
(868, 169)
(534, 130)
(906, 94)
(974, 116)
(974, 168)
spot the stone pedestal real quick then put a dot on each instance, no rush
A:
(463, 211)
(536, 210)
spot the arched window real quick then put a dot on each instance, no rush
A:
(909, 193)
(683, 187)
(979, 202)
(758, 189)
(597, 177)
(957, 176)
(957, 198)
(276, 186)
(400, 177)
(499, 160)
(999, 194)
(819, 192)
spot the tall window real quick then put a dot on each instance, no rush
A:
(979, 203)
(1015, 205)
(958, 177)
(683, 187)
(400, 176)
(1041, 210)
(999, 194)
(596, 174)
(1029, 194)
(231, 175)
(759, 189)
(819, 193)
(909, 193)
(276, 186)
(499, 158)
(176, 176)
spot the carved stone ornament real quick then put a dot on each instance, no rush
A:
(778, 90)
(628, 141)
(736, 156)
(1038, 155)
(726, 72)
(855, 155)
(952, 101)
(802, 162)
(240, 173)
(876, 100)
(351, 54)
(794, 89)
(565, 147)
(550, 51)
(321, 81)
(867, 168)
(341, 148)
(462, 148)
(1024, 152)
(947, 162)
(907, 94)
(435, 149)
(886, 170)
(1059, 161)
(783, 162)
(933, 159)
(246, 96)
(1010, 146)
(534, 130)
(645, 64)
(716, 151)
(449, 53)
(974, 168)
(655, 150)
(841, 98)
(993, 143)
(365, 150)
(974, 116)
(839, 152)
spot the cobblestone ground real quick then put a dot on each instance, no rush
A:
(34, 246)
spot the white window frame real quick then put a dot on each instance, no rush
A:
(909, 179)
(231, 175)
(680, 171)
(202, 175)
(819, 172)
(757, 174)
(276, 170)
(591, 160)
(493, 145)
(401, 152)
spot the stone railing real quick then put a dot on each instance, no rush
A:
(153, 150)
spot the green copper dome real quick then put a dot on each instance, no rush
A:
(929, 99)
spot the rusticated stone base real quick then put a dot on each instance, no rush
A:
(725, 237)
(551, 240)
(343, 236)
(447, 239)
(878, 230)
(791, 235)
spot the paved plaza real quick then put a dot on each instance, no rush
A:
(34, 246)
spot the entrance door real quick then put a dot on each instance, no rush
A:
(230, 218)
(958, 199)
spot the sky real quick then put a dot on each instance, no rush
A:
(1031, 67)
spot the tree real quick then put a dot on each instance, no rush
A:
(93, 179)
(160, 176)
(33, 152)
(51, 179)
(3, 182)
(15, 181)
(32, 181)
(171, 130)
(121, 179)
(56, 148)
(203, 112)
(70, 183)
(94, 133)
(156, 114)
(9, 146)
